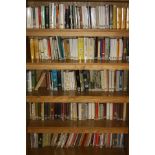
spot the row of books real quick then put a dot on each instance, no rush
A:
(76, 17)
(81, 48)
(78, 111)
(65, 140)
(83, 80)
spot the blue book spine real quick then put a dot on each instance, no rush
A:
(54, 79)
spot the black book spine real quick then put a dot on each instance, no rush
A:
(46, 16)
(96, 47)
(111, 16)
(59, 80)
(90, 17)
(86, 80)
(40, 140)
(71, 16)
(127, 49)
(59, 110)
(78, 80)
(66, 18)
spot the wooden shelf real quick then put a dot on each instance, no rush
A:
(77, 32)
(78, 1)
(77, 151)
(76, 65)
(69, 126)
(44, 95)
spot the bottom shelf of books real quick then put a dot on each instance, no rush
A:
(77, 143)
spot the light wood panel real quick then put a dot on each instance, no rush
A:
(44, 95)
(69, 126)
(76, 65)
(77, 32)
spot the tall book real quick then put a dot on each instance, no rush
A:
(81, 49)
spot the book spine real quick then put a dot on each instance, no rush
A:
(42, 16)
(114, 17)
(47, 17)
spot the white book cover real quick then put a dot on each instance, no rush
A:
(29, 15)
(106, 16)
(75, 49)
(29, 87)
(36, 140)
(45, 48)
(93, 17)
(117, 80)
(115, 50)
(101, 140)
(108, 111)
(103, 16)
(111, 111)
(120, 49)
(106, 80)
(111, 49)
(36, 17)
(93, 110)
(80, 110)
(112, 80)
(52, 48)
(61, 16)
(97, 16)
(83, 16)
(85, 48)
(89, 111)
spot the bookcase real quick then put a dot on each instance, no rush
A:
(43, 95)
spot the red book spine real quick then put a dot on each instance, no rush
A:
(96, 110)
(39, 16)
(84, 139)
(73, 139)
(49, 49)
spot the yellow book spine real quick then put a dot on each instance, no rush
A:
(36, 49)
(127, 18)
(32, 49)
(123, 23)
(81, 48)
(119, 16)
(114, 17)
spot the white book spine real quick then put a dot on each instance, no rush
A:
(111, 111)
(93, 110)
(29, 15)
(113, 80)
(45, 48)
(80, 110)
(89, 111)
(108, 111)
(110, 80)
(37, 17)
(93, 17)
(120, 49)
(106, 16)
(61, 16)
(29, 81)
